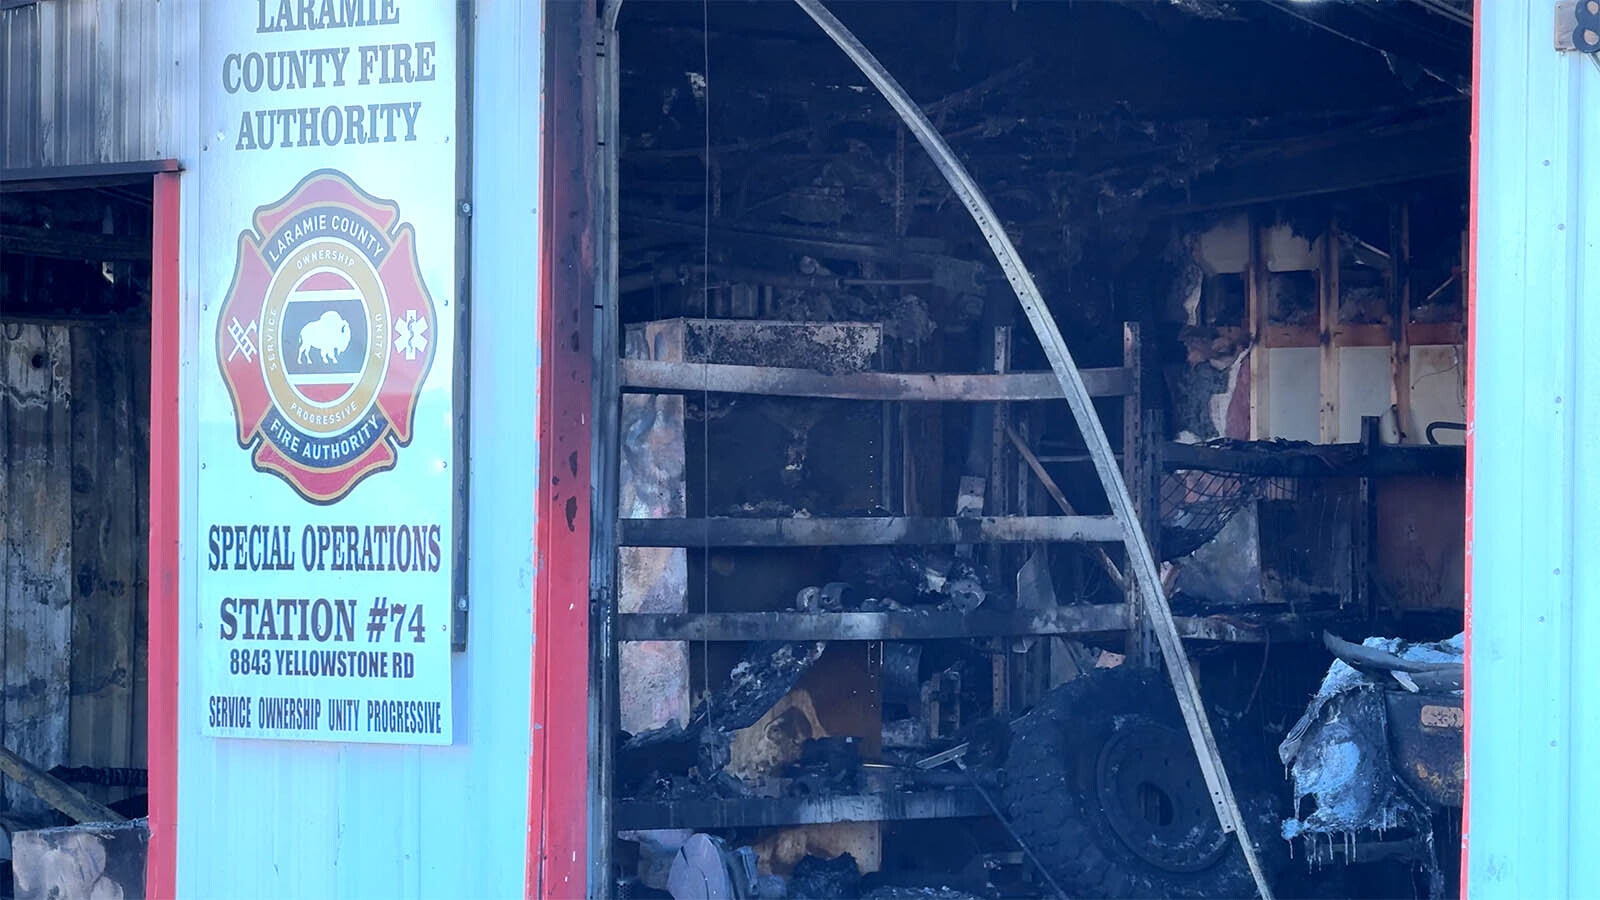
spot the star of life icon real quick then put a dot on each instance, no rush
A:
(411, 335)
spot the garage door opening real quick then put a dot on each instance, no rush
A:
(76, 571)
(873, 626)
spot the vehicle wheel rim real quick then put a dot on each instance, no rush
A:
(1155, 798)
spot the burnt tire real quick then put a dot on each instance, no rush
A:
(1102, 784)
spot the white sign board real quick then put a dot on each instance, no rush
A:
(326, 427)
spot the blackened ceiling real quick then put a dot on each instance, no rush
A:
(1106, 100)
(75, 253)
(1087, 123)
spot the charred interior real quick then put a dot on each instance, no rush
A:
(875, 630)
(75, 508)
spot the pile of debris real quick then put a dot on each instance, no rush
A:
(685, 865)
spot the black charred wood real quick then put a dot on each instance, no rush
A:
(864, 531)
(767, 672)
(1272, 460)
(758, 812)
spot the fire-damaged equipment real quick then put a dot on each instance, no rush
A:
(1378, 754)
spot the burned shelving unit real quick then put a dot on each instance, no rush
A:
(714, 359)
(830, 614)
(1335, 490)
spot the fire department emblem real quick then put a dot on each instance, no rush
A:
(326, 336)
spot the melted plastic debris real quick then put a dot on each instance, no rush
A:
(1337, 757)
(767, 672)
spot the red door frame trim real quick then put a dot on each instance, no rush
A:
(162, 727)
(558, 776)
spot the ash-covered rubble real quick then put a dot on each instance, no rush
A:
(684, 865)
(826, 879)
(768, 670)
(916, 578)
(680, 760)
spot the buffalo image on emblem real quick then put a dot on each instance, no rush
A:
(328, 335)
(326, 331)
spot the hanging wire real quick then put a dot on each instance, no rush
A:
(705, 384)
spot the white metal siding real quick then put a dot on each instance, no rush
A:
(286, 819)
(1535, 528)
(91, 81)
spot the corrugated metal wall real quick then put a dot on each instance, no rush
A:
(89, 81)
(74, 444)
(1535, 515)
(275, 819)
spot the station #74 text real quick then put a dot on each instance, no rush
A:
(321, 620)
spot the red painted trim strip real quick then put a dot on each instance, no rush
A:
(1472, 418)
(542, 636)
(558, 808)
(162, 734)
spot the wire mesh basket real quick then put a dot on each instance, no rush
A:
(1195, 504)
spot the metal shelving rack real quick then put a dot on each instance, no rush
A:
(1106, 621)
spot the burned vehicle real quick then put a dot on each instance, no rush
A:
(1378, 761)
(1101, 784)
(1101, 781)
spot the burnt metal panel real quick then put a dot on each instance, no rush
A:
(1425, 734)
(88, 81)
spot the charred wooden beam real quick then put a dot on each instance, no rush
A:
(651, 376)
(1429, 148)
(1099, 618)
(865, 531)
(760, 812)
(1225, 629)
(1317, 460)
(948, 272)
(641, 281)
(62, 797)
(73, 244)
(846, 243)
(869, 626)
